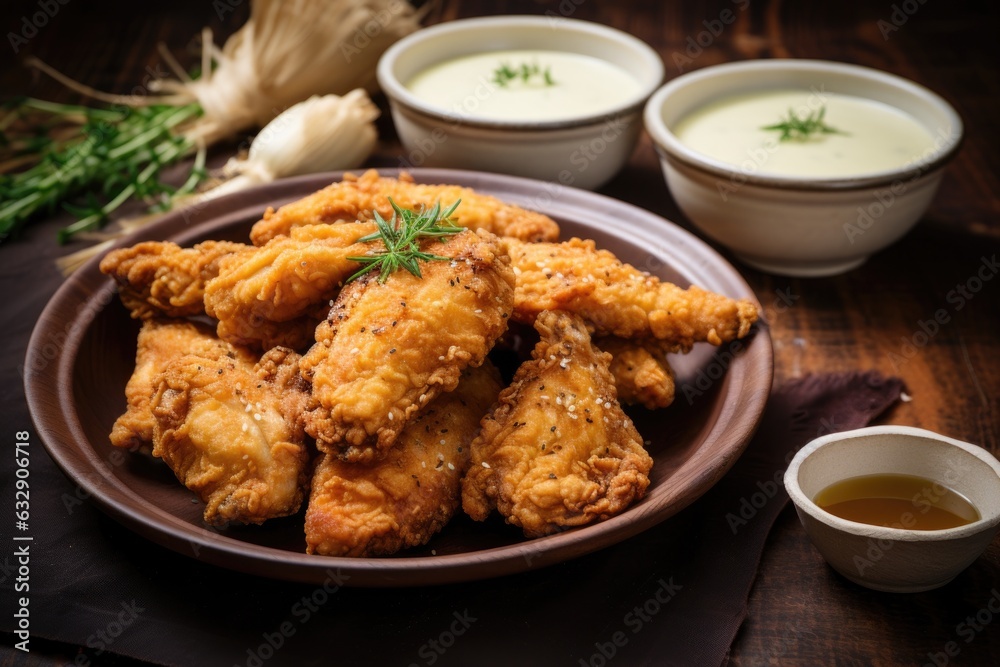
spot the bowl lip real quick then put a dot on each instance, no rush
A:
(806, 504)
(399, 94)
(670, 147)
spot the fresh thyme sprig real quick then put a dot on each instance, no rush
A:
(53, 155)
(401, 236)
(795, 128)
(504, 74)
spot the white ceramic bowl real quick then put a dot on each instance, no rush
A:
(582, 152)
(896, 559)
(799, 226)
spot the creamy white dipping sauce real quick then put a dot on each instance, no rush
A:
(875, 136)
(579, 86)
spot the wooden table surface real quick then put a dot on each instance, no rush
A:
(800, 611)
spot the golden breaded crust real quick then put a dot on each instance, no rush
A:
(161, 279)
(222, 426)
(406, 497)
(557, 450)
(641, 371)
(277, 294)
(159, 342)
(355, 197)
(617, 299)
(386, 350)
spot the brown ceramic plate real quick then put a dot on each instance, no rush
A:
(82, 352)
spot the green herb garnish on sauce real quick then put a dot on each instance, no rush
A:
(526, 73)
(795, 128)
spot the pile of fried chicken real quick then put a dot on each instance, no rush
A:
(265, 376)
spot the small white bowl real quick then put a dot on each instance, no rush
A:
(582, 152)
(799, 226)
(896, 559)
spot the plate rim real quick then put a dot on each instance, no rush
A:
(50, 387)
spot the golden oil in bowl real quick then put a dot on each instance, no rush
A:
(897, 501)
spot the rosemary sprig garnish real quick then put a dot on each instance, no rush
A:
(504, 74)
(86, 160)
(795, 128)
(401, 236)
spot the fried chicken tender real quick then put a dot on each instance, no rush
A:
(386, 350)
(287, 279)
(617, 299)
(295, 334)
(159, 279)
(278, 369)
(159, 342)
(228, 430)
(557, 450)
(641, 371)
(355, 197)
(404, 499)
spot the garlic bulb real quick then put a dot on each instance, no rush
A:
(320, 134)
(287, 51)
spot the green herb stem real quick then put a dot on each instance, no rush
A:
(162, 124)
(504, 74)
(164, 153)
(796, 128)
(400, 237)
(78, 152)
(16, 206)
(71, 109)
